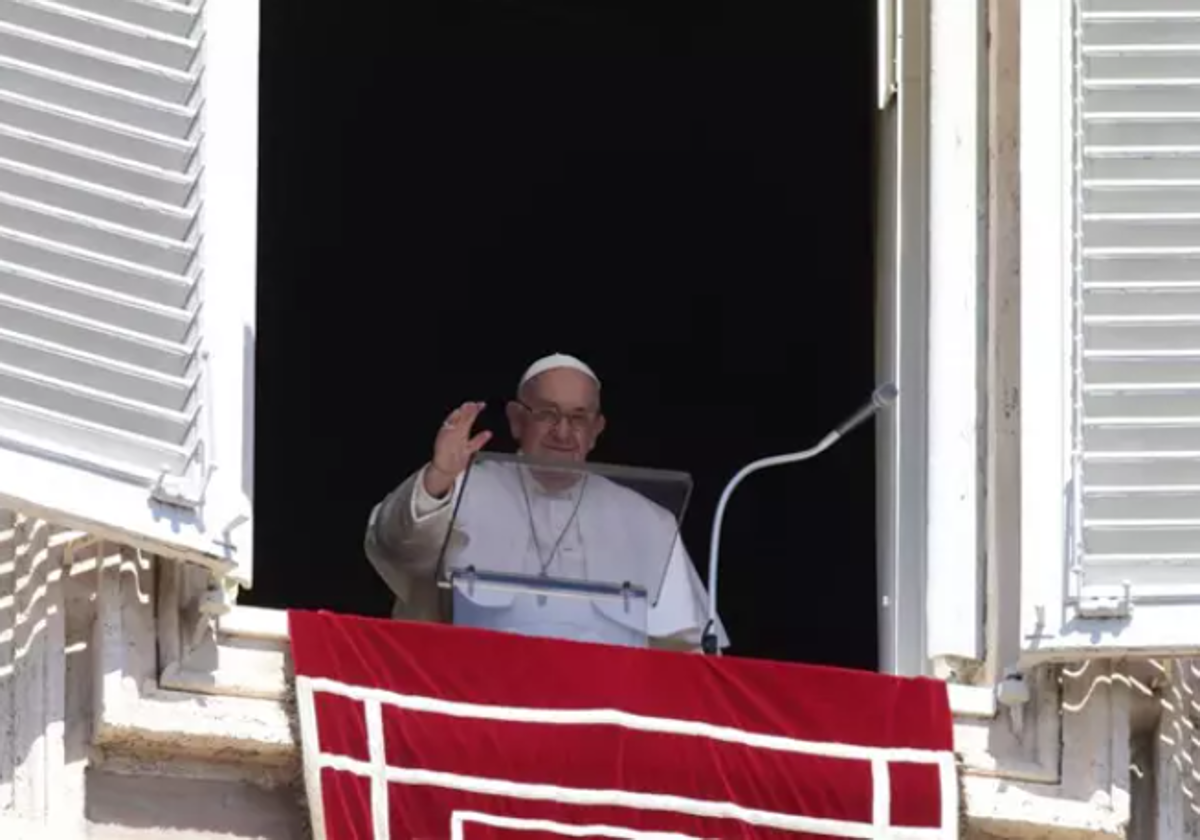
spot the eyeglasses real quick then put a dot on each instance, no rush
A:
(551, 416)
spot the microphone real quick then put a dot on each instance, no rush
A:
(882, 397)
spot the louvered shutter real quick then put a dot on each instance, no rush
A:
(126, 301)
(1131, 314)
(1140, 293)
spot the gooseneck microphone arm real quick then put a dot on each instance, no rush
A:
(883, 396)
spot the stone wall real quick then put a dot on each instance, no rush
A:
(91, 742)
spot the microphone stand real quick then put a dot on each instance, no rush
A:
(883, 396)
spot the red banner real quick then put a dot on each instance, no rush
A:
(426, 731)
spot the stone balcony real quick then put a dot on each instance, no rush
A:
(136, 703)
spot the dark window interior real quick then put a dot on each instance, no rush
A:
(679, 193)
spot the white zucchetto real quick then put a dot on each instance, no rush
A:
(553, 362)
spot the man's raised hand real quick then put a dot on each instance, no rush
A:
(453, 448)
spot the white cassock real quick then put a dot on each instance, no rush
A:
(596, 530)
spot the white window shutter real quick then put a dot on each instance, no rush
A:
(1110, 327)
(128, 168)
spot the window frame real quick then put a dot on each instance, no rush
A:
(902, 123)
(932, 282)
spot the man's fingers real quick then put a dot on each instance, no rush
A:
(463, 417)
(478, 442)
(466, 411)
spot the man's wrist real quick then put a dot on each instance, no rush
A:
(437, 481)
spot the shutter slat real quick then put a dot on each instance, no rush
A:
(1149, 233)
(1170, 574)
(1144, 65)
(163, 322)
(1159, 170)
(1097, 8)
(1147, 300)
(33, 426)
(118, 275)
(85, 62)
(1166, 537)
(1154, 404)
(1161, 473)
(100, 31)
(1141, 197)
(62, 362)
(129, 211)
(170, 18)
(1128, 435)
(1139, 276)
(1142, 503)
(105, 136)
(1137, 30)
(1108, 335)
(94, 235)
(1111, 369)
(1143, 97)
(106, 340)
(1164, 268)
(1110, 136)
(89, 166)
(78, 94)
(103, 409)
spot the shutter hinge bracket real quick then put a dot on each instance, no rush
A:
(179, 492)
(1106, 602)
(226, 540)
(182, 491)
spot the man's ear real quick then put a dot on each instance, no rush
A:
(516, 418)
(601, 423)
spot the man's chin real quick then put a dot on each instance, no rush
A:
(566, 455)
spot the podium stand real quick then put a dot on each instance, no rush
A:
(562, 549)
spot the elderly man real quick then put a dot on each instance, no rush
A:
(598, 527)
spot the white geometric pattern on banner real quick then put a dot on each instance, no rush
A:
(459, 820)
(381, 774)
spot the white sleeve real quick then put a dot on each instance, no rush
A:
(425, 505)
(405, 535)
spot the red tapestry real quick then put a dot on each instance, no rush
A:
(425, 731)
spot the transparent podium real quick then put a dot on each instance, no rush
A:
(562, 549)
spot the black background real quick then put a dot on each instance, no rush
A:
(678, 193)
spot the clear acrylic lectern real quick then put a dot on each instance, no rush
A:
(562, 549)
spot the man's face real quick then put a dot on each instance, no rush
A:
(557, 415)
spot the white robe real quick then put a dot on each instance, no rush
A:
(597, 530)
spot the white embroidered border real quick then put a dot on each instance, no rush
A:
(625, 720)
(381, 774)
(459, 820)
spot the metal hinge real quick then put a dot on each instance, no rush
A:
(179, 491)
(226, 540)
(1106, 602)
